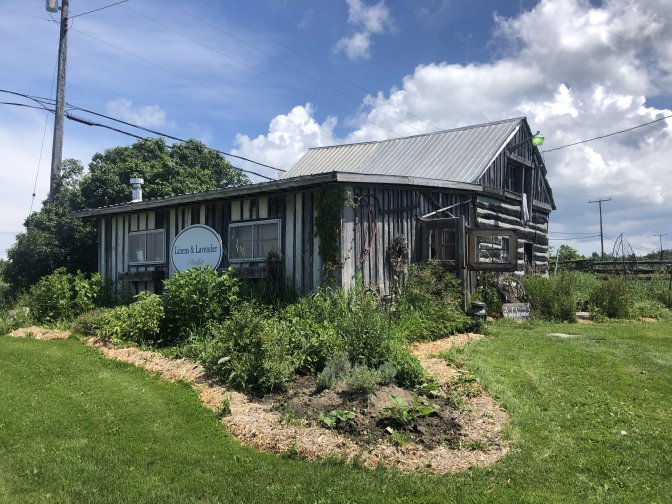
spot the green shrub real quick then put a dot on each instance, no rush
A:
(140, 322)
(5, 295)
(647, 309)
(247, 351)
(611, 298)
(89, 323)
(144, 318)
(336, 368)
(410, 372)
(429, 306)
(194, 298)
(656, 288)
(387, 373)
(13, 319)
(552, 298)
(332, 322)
(62, 296)
(50, 299)
(313, 339)
(362, 380)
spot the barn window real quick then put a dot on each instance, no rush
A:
(439, 240)
(493, 249)
(254, 241)
(441, 244)
(147, 247)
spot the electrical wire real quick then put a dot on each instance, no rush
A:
(312, 75)
(44, 135)
(272, 76)
(99, 9)
(574, 239)
(106, 126)
(206, 86)
(166, 135)
(608, 134)
(575, 233)
(149, 130)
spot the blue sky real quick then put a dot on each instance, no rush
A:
(268, 79)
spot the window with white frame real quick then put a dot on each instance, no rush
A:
(254, 241)
(147, 247)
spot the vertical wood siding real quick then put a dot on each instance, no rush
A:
(382, 214)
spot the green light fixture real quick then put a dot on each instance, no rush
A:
(537, 139)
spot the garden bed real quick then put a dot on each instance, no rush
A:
(449, 440)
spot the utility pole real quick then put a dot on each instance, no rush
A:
(599, 201)
(57, 145)
(661, 244)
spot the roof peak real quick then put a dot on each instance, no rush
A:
(472, 126)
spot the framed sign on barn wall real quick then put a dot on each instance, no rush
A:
(196, 246)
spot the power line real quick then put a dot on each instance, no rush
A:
(24, 105)
(318, 64)
(211, 88)
(608, 134)
(574, 239)
(576, 233)
(44, 135)
(99, 9)
(166, 135)
(149, 130)
(92, 123)
(274, 77)
(186, 77)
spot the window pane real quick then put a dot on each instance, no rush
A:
(155, 247)
(442, 244)
(240, 243)
(266, 239)
(493, 249)
(136, 248)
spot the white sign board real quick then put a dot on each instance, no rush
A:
(195, 246)
(517, 311)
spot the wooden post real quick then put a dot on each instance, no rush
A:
(461, 239)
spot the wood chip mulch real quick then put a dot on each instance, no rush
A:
(40, 333)
(254, 424)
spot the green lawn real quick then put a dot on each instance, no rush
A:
(591, 421)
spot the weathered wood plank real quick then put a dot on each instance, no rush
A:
(289, 238)
(298, 242)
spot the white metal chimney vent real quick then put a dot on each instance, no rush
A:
(136, 184)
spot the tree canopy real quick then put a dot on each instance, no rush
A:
(54, 238)
(179, 169)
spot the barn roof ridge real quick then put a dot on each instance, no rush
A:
(438, 132)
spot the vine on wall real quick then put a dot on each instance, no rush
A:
(328, 207)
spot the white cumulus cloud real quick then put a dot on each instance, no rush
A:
(367, 20)
(576, 71)
(289, 135)
(143, 115)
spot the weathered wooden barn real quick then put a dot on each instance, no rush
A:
(475, 198)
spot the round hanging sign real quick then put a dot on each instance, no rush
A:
(195, 246)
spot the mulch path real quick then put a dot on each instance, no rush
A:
(253, 422)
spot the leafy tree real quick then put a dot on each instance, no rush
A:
(184, 168)
(54, 238)
(567, 253)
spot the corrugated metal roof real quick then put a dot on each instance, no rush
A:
(459, 155)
